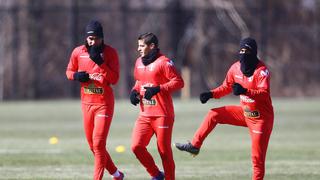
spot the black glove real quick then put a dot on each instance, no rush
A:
(81, 76)
(95, 54)
(151, 91)
(134, 97)
(238, 89)
(205, 96)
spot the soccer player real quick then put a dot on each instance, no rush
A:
(96, 66)
(156, 78)
(248, 78)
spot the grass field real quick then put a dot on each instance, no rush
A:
(25, 152)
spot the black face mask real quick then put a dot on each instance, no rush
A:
(248, 63)
(248, 60)
(95, 48)
(151, 56)
(95, 53)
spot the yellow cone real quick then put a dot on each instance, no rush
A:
(53, 140)
(120, 149)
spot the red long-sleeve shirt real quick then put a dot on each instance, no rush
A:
(97, 90)
(257, 99)
(159, 73)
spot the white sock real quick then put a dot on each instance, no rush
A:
(116, 174)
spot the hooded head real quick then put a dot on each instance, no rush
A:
(248, 56)
(94, 28)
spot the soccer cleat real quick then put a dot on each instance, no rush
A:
(121, 177)
(188, 147)
(160, 176)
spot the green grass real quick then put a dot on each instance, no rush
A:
(25, 128)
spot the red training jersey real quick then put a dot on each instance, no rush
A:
(257, 100)
(97, 90)
(161, 73)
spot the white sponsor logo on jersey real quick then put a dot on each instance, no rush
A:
(95, 76)
(84, 56)
(170, 63)
(264, 72)
(238, 76)
(246, 99)
(145, 85)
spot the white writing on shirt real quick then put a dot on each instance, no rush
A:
(95, 76)
(238, 76)
(246, 99)
(145, 85)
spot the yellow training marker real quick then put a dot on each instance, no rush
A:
(53, 140)
(120, 149)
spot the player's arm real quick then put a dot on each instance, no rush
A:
(72, 65)
(225, 88)
(220, 91)
(175, 80)
(73, 72)
(135, 92)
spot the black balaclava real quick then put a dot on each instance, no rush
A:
(248, 61)
(94, 28)
(151, 56)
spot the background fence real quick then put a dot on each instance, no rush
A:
(201, 36)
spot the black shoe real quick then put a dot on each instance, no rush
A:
(160, 176)
(121, 177)
(188, 147)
